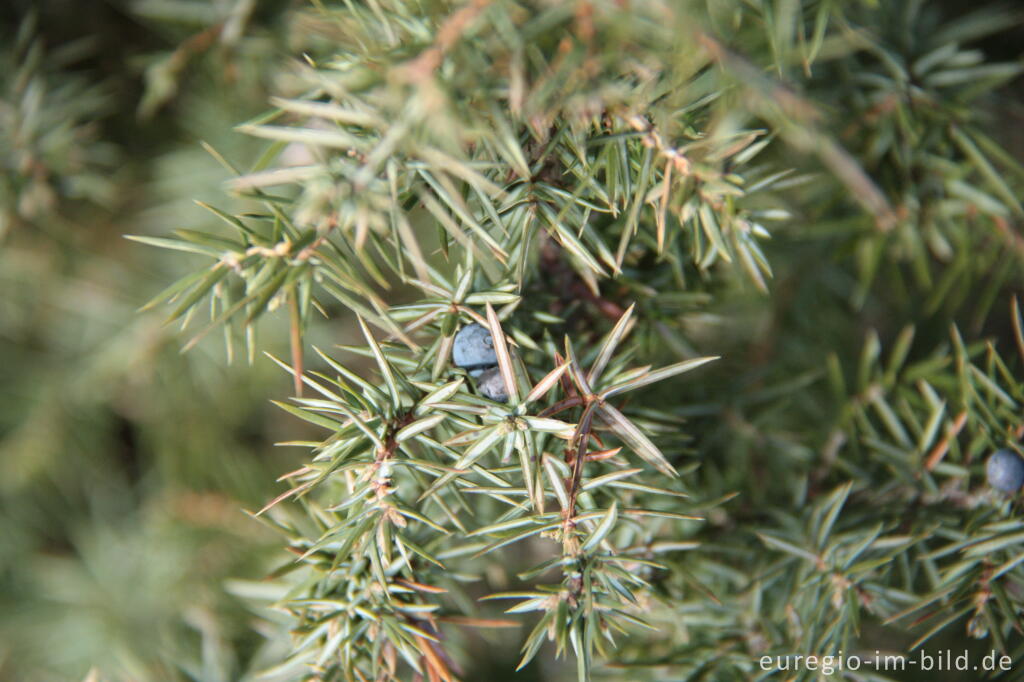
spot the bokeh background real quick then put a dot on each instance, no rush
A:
(126, 465)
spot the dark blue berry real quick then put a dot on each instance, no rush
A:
(492, 386)
(474, 348)
(1005, 471)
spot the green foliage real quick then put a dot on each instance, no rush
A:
(594, 182)
(584, 169)
(410, 466)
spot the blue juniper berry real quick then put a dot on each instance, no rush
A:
(492, 386)
(1005, 471)
(474, 348)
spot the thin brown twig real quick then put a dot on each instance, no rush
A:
(295, 336)
(940, 450)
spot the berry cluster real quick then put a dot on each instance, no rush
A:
(474, 352)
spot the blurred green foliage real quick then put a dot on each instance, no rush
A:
(124, 464)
